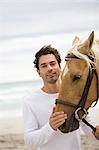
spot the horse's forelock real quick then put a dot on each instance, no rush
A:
(65, 70)
(76, 52)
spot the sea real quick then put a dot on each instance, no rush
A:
(26, 26)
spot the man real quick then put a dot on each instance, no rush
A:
(41, 122)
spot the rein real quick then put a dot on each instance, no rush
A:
(81, 104)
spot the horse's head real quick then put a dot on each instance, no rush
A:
(79, 85)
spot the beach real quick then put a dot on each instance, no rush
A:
(11, 134)
(26, 26)
(15, 142)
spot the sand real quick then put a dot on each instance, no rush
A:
(11, 135)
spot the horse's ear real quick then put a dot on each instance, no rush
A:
(76, 40)
(88, 43)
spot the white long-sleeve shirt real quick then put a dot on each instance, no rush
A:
(38, 134)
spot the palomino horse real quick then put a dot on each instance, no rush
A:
(80, 85)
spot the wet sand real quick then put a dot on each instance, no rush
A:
(11, 135)
(15, 142)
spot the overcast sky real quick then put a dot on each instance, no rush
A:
(26, 25)
(34, 17)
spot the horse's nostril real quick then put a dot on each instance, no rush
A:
(62, 128)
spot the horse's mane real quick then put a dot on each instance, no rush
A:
(96, 48)
(75, 52)
(94, 51)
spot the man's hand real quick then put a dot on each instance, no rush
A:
(96, 134)
(57, 119)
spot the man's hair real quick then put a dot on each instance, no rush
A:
(44, 51)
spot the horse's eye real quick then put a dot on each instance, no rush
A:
(68, 54)
(76, 77)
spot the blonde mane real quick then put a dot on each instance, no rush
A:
(94, 51)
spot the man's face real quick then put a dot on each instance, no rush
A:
(49, 68)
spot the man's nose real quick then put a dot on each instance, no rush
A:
(50, 67)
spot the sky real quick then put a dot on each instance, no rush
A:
(34, 17)
(26, 25)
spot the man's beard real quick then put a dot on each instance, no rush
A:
(52, 78)
(52, 81)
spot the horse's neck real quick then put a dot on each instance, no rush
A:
(97, 57)
(96, 51)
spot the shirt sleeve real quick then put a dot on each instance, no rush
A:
(33, 136)
(86, 129)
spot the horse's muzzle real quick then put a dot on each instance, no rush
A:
(70, 124)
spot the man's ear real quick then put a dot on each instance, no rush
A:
(38, 71)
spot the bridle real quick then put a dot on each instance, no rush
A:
(80, 106)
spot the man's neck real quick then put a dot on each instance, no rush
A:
(51, 88)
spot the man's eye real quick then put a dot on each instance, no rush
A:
(43, 66)
(52, 64)
(76, 77)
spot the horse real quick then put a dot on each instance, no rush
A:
(79, 87)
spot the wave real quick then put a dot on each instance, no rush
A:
(12, 95)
